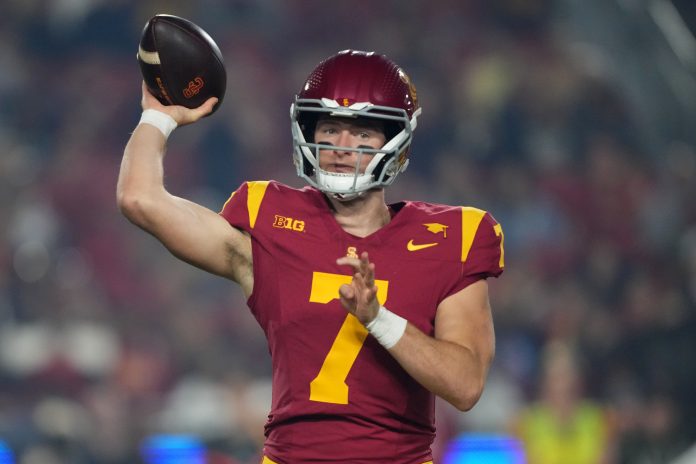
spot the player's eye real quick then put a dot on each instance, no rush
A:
(366, 134)
(328, 130)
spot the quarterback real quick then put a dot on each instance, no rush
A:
(370, 309)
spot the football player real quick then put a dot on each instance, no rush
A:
(370, 309)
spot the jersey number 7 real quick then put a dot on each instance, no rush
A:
(329, 386)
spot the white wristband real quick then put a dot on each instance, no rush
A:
(162, 121)
(387, 327)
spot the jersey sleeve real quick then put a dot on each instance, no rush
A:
(482, 251)
(486, 255)
(242, 207)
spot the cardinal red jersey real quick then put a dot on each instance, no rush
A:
(339, 396)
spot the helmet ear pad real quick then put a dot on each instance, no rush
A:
(308, 123)
(391, 129)
(379, 167)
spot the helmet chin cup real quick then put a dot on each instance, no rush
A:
(343, 183)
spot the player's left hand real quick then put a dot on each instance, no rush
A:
(360, 296)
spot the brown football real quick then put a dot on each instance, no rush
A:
(180, 63)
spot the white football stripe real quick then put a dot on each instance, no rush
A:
(148, 57)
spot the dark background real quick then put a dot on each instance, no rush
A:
(571, 121)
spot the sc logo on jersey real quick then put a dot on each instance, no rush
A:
(282, 222)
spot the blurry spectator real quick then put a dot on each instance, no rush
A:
(563, 426)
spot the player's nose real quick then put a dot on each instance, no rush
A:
(345, 140)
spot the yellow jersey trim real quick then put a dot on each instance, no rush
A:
(471, 218)
(255, 193)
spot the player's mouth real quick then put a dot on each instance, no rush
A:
(340, 168)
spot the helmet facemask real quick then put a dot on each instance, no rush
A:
(387, 162)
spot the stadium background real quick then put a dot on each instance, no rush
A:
(572, 121)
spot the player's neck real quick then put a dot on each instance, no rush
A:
(362, 216)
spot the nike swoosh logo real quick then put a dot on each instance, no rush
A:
(410, 246)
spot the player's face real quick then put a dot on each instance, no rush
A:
(347, 133)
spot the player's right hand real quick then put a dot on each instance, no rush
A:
(360, 296)
(181, 114)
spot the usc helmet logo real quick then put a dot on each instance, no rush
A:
(411, 87)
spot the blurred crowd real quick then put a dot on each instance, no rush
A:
(106, 339)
